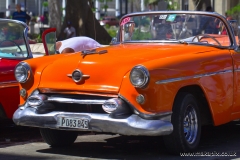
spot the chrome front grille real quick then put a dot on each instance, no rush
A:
(76, 103)
(78, 108)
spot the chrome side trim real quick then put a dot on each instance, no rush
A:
(77, 101)
(131, 125)
(166, 116)
(8, 84)
(237, 70)
(192, 77)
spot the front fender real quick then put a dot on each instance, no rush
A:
(37, 66)
(212, 71)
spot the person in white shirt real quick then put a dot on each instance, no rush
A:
(76, 44)
(70, 31)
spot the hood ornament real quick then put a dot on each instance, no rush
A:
(77, 75)
(93, 51)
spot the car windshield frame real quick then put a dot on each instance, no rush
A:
(232, 40)
(24, 38)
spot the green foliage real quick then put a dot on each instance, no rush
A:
(45, 4)
(104, 6)
(107, 26)
(112, 31)
(234, 11)
(36, 37)
(102, 1)
(94, 9)
(141, 35)
(154, 2)
(39, 39)
(143, 21)
(172, 5)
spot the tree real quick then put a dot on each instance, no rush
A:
(234, 12)
(80, 14)
(55, 16)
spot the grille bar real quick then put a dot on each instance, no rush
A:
(76, 101)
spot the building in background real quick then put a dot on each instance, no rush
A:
(34, 7)
(219, 6)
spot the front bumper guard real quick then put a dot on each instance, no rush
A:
(131, 125)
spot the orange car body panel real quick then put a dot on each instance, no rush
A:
(171, 67)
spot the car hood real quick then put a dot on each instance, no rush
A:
(105, 71)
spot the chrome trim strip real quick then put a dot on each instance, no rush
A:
(192, 77)
(59, 91)
(8, 84)
(77, 101)
(84, 76)
(237, 70)
(30, 55)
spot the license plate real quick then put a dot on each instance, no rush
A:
(73, 122)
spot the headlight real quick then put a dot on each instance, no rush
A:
(139, 76)
(102, 23)
(22, 72)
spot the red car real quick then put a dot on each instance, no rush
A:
(14, 47)
(111, 21)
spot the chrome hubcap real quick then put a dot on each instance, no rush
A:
(190, 124)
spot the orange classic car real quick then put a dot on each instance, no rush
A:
(166, 76)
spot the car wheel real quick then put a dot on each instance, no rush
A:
(57, 138)
(186, 125)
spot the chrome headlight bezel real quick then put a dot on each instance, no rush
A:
(27, 72)
(140, 70)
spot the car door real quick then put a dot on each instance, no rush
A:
(236, 72)
(14, 47)
(49, 41)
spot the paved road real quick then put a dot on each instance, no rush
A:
(23, 143)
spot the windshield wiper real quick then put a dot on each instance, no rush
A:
(93, 51)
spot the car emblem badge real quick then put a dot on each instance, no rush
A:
(77, 75)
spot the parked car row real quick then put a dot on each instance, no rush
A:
(110, 21)
(171, 81)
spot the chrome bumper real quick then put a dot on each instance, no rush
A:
(132, 125)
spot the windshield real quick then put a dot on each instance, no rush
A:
(199, 29)
(12, 44)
